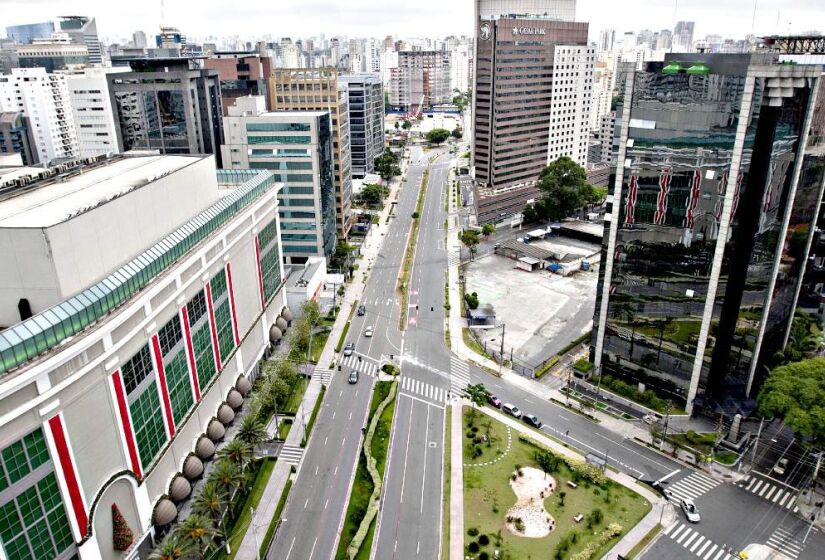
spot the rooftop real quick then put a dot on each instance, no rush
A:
(56, 199)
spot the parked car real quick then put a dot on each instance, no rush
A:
(650, 418)
(494, 400)
(532, 419)
(511, 409)
(690, 510)
(368, 331)
(781, 466)
(353, 377)
(349, 349)
(362, 310)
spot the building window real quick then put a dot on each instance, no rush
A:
(223, 315)
(176, 368)
(144, 405)
(270, 259)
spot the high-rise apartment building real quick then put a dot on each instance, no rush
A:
(148, 288)
(297, 147)
(168, 105)
(461, 67)
(366, 121)
(28, 32)
(705, 245)
(93, 117)
(420, 81)
(83, 31)
(16, 138)
(294, 89)
(44, 99)
(683, 36)
(52, 53)
(531, 104)
(241, 74)
(607, 38)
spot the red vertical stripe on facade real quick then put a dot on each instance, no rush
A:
(193, 368)
(126, 423)
(69, 474)
(232, 305)
(260, 274)
(164, 389)
(213, 328)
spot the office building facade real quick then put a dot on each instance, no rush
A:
(241, 74)
(44, 99)
(54, 53)
(26, 33)
(421, 80)
(16, 138)
(117, 395)
(93, 117)
(296, 146)
(168, 105)
(712, 207)
(295, 89)
(83, 31)
(366, 121)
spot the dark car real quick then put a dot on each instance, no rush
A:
(532, 419)
(353, 377)
(362, 310)
(494, 400)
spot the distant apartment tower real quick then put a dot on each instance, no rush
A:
(683, 36)
(28, 32)
(607, 38)
(420, 81)
(241, 74)
(52, 53)
(531, 104)
(16, 138)
(297, 147)
(318, 89)
(83, 31)
(44, 99)
(461, 67)
(712, 208)
(366, 121)
(168, 105)
(93, 117)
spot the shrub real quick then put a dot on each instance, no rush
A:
(483, 556)
(472, 531)
(483, 540)
(583, 365)
(473, 547)
(613, 530)
(474, 429)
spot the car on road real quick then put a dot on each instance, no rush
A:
(349, 349)
(362, 310)
(532, 419)
(368, 331)
(689, 508)
(494, 400)
(353, 377)
(781, 466)
(511, 409)
(650, 419)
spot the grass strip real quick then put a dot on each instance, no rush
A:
(294, 401)
(473, 344)
(252, 501)
(409, 252)
(642, 544)
(270, 531)
(445, 504)
(312, 416)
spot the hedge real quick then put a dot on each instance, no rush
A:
(546, 367)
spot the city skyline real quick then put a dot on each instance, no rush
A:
(366, 18)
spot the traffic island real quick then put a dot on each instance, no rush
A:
(409, 252)
(564, 507)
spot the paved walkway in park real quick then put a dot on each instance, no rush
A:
(250, 545)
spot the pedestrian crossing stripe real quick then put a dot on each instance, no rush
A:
(291, 454)
(691, 487)
(364, 366)
(323, 375)
(785, 541)
(426, 390)
(459, 375)
(696, 543)
(784, 497)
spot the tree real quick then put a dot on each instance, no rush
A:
(470, 240)
(227, 476)
(796, 393)
(477, 394)
(406, 125)
(372, 194)
(547, 462)
(238, 452)
(386, 164)
(252, 431)
(471, 300)
(173, 547)
(210, 501)
(562, 496)
(198, 530)
(530, 213)
(279, 391)
(311, 312)
(438, 135)
(565, 188)
(487, 230)
(457, 133)
(122, 536)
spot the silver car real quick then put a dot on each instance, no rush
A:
(368, 331)
(689, 508)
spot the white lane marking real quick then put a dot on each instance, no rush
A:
(288, 552)
(426, 446)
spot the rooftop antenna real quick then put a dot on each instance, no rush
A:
(675, 8)
(753, 19)
(161, 13)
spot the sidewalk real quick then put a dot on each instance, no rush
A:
(456, 484)
(262, 517)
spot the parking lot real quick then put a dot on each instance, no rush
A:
(542, 312)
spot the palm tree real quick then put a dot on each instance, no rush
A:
(198, 530)
(478, 396)
(210, 501)
(173, 547)
(237, 451)
(227, 476)
(252, 431)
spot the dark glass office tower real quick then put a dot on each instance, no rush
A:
(710, 218)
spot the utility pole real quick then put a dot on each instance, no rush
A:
(816, 473)
(668, 408)
(756, 443)
(501, 358)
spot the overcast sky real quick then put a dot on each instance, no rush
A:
(117, 19)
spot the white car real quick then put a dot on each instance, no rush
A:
(368, 331)
(650, 418)
(781, 466)
(690, 510)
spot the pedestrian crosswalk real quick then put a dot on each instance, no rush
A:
(323, 375)
(453, 259)
(459, 375)
(291, 454)
(691, 487)
(365, 365)
(782, 496)
(704, 548)
(426, 390)
(786, 541)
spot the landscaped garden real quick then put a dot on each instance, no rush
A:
(529, 503)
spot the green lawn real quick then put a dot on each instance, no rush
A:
(472, 343)
(284, 427)
(701, 442)
(445, 506)
(279, 509)
(252, 499)
(312, 416)
(362, 486)
(319, 340)
(294, 400)
(488, 495)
